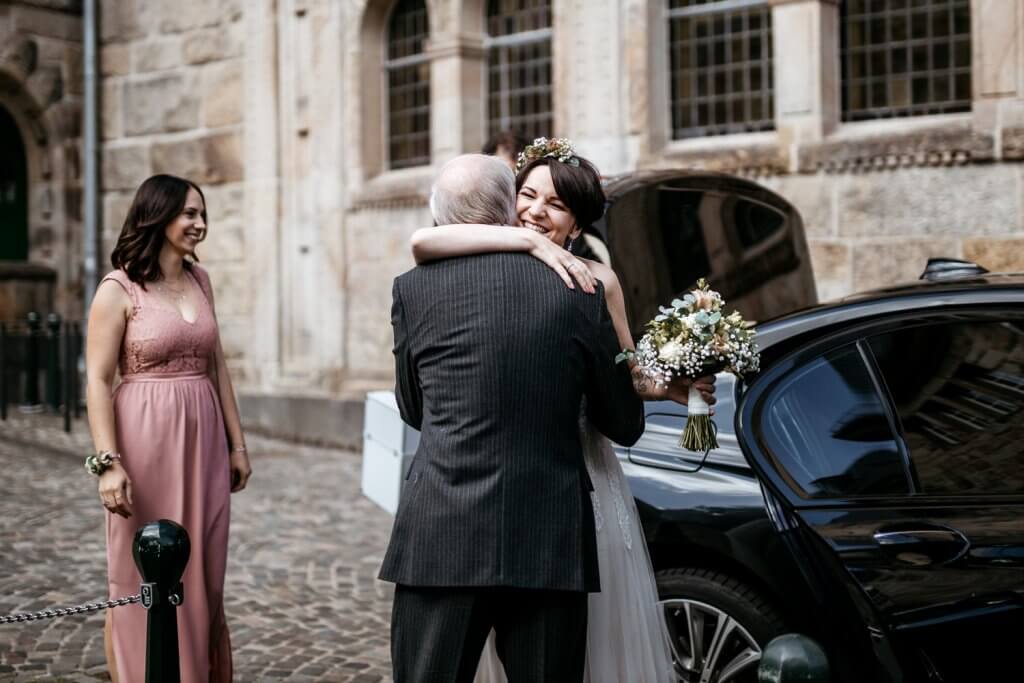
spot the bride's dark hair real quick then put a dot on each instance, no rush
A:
(579, 187)
(158, 201)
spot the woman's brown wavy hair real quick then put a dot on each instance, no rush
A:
(158, 201)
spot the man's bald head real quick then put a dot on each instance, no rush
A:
(474, 188)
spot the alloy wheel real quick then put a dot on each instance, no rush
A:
(708, 645)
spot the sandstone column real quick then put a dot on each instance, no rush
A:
(997, 73)
(262, 187)
(458, 67)
(806, 67)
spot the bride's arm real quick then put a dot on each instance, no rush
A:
(678, 390)
(446, 241)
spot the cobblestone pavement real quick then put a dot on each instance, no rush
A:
(302, 600)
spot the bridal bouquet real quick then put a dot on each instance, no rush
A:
(692, 338)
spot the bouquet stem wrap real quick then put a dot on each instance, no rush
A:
(699, 434)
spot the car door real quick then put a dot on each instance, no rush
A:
(899, 451)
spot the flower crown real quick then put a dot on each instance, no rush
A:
(556, 148)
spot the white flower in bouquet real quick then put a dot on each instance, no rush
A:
(692, 338)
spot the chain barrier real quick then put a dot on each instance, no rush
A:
(65, 611)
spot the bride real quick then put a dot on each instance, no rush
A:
(558, 194)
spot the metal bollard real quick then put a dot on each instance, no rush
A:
(73, 371)
(793, 658)
(31, 391)
(161, 550)
(53, 325)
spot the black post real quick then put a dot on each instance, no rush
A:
(53, 361)
(31, 392)
(161, 551)
(3, 371)
(76, 352)
(70, 366)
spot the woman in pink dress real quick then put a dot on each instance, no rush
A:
(170, 431)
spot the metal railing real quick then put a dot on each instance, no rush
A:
(39, 366)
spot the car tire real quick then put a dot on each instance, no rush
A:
(714, 595)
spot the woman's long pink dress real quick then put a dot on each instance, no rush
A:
(170, 432)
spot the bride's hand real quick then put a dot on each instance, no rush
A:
(678, 390)
(567, 266)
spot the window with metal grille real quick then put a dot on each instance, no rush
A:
(519, 67)
(407, 71)
(905, 58)
(720, 66)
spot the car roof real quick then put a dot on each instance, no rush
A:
(990, 288)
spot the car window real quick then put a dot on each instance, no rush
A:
(825, 426)
(959, 391)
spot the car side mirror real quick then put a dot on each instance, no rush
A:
(793, 658)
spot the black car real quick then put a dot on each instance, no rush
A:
(868, 492)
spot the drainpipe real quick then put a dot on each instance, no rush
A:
(90, 239)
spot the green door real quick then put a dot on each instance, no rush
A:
(13, 192)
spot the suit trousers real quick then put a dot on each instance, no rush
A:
(437, 634)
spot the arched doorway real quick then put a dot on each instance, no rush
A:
(13, 191)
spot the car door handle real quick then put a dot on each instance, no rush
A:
(922, 544)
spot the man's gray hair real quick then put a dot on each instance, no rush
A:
(474, 188)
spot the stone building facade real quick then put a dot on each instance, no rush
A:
(314, 127)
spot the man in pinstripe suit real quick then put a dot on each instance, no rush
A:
(494, 356)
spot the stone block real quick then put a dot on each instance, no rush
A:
(812, 196)
(115, 209)
(206, 160)
(156, 54)
(963, 200)
(44, 22)
(877, 264)
(232, 292)
(115, 59)
(117, 21)
(223, 95)
(830, 262)
(159, 104)
(170, 18)
(212, 44)
(225, 202)
(998, 255)
(124, 168)
(225, 241)
(111, 109)
(74, 73)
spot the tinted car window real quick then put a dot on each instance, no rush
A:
(959, 391)
(825, 426)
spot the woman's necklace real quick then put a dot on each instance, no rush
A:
(177, 294)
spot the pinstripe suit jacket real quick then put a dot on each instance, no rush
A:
(493, 356)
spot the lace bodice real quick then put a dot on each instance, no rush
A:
(157, 339)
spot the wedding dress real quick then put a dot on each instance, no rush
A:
(627, 641)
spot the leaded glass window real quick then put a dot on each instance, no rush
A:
(720, 60)
(519, 67)
(905, 58)
(408, 76)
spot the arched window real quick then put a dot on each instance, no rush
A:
(519, 67)
(408, 79)
(720, 61)
(904, 58)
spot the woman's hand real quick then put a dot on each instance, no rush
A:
(678, 390)
(567, 266)
(116, 490)
(240, 470)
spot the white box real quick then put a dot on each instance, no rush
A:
(388, 448)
